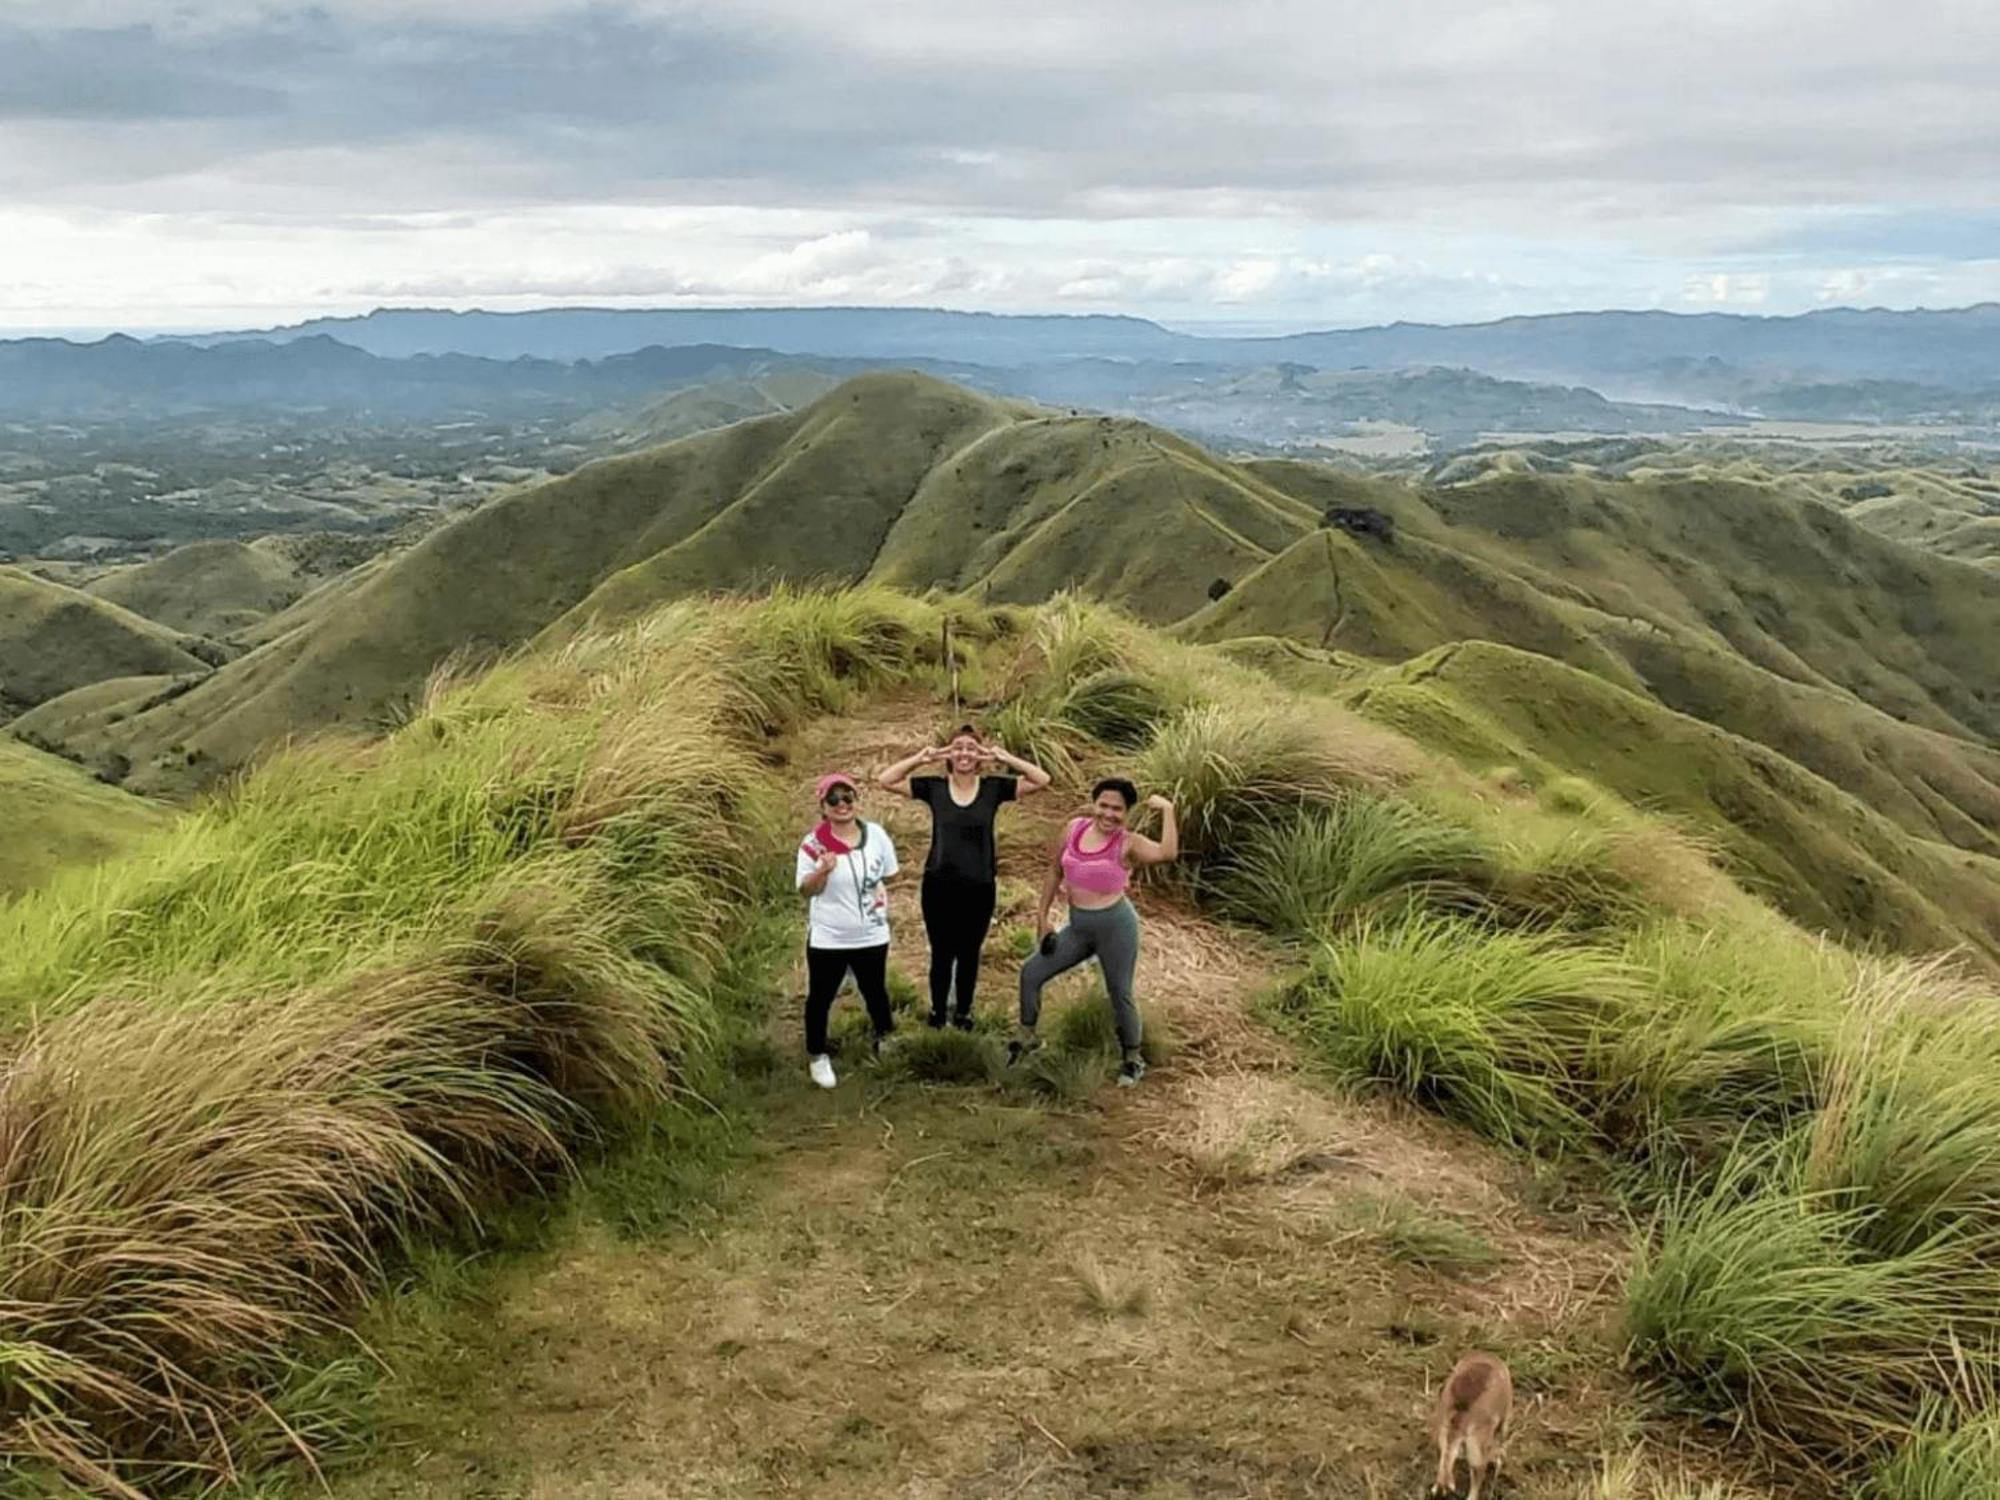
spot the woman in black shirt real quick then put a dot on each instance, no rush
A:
(960, 874)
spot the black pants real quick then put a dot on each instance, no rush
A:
(825, 968)
(957, 915)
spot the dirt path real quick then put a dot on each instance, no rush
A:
(1226, 1282)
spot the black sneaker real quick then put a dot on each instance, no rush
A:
(1131, 1071)
(1018, 1050)
(961, 1022)
(935, 1021)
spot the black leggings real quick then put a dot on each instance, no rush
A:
(957, 915)
(825, 968)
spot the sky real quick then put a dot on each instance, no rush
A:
(1252, 164)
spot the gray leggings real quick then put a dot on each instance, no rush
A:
(1111, 936)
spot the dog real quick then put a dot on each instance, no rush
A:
(1472, 1412)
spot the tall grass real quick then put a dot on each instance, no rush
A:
(1356, 856)
(1942, 1462)
(1494, 1028)
(1757, 1302)
(1231, 769)
(371, 989)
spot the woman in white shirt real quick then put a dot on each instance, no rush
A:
(844, 865)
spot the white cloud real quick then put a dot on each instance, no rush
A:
(1279, 155)
(1723, 288)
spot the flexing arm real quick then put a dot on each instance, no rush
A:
(1167, 847)
(896, 778)
(1033, 777)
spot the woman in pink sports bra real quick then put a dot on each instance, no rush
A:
(1092, 867)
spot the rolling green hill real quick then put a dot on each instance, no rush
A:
(715, 403)
(54, 638)
(1843, 673)
(206, 588)
(1797, 839)
(57, 816)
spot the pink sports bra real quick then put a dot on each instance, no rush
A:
(1102, 871)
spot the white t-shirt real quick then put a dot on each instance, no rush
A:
(852, 908)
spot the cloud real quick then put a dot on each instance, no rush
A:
(1653, 151)
(1722, 288)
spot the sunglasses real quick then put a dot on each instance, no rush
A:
(839, 799)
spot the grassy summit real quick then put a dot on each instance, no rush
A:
(282, 1047)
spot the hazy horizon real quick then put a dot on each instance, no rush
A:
(1197, 327)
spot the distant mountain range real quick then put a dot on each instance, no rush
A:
(318, 374)
(1573, 372)
(53, 377)
(1625, 355)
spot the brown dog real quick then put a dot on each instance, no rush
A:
(1472, 1412)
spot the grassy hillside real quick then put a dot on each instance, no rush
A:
(206, 588)
(1768, 616)
(292, 1039)
(54, 638)
(57, 815)
(715, 403)
(1822, 856)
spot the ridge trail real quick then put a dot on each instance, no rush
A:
(1183, 1290)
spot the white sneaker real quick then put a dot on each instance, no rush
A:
(822, 1071)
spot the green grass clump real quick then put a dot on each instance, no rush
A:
(1942, 1463)
(940, 1055)
(1232, 768)
(1754, 1301)
(1494, 1028)
(1357, 856)
(1060, 1075)
(1406, 1232)
(1909, 1129)
(1088, 1025)
(1734, 1039)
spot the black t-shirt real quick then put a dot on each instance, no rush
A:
(962, 837)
